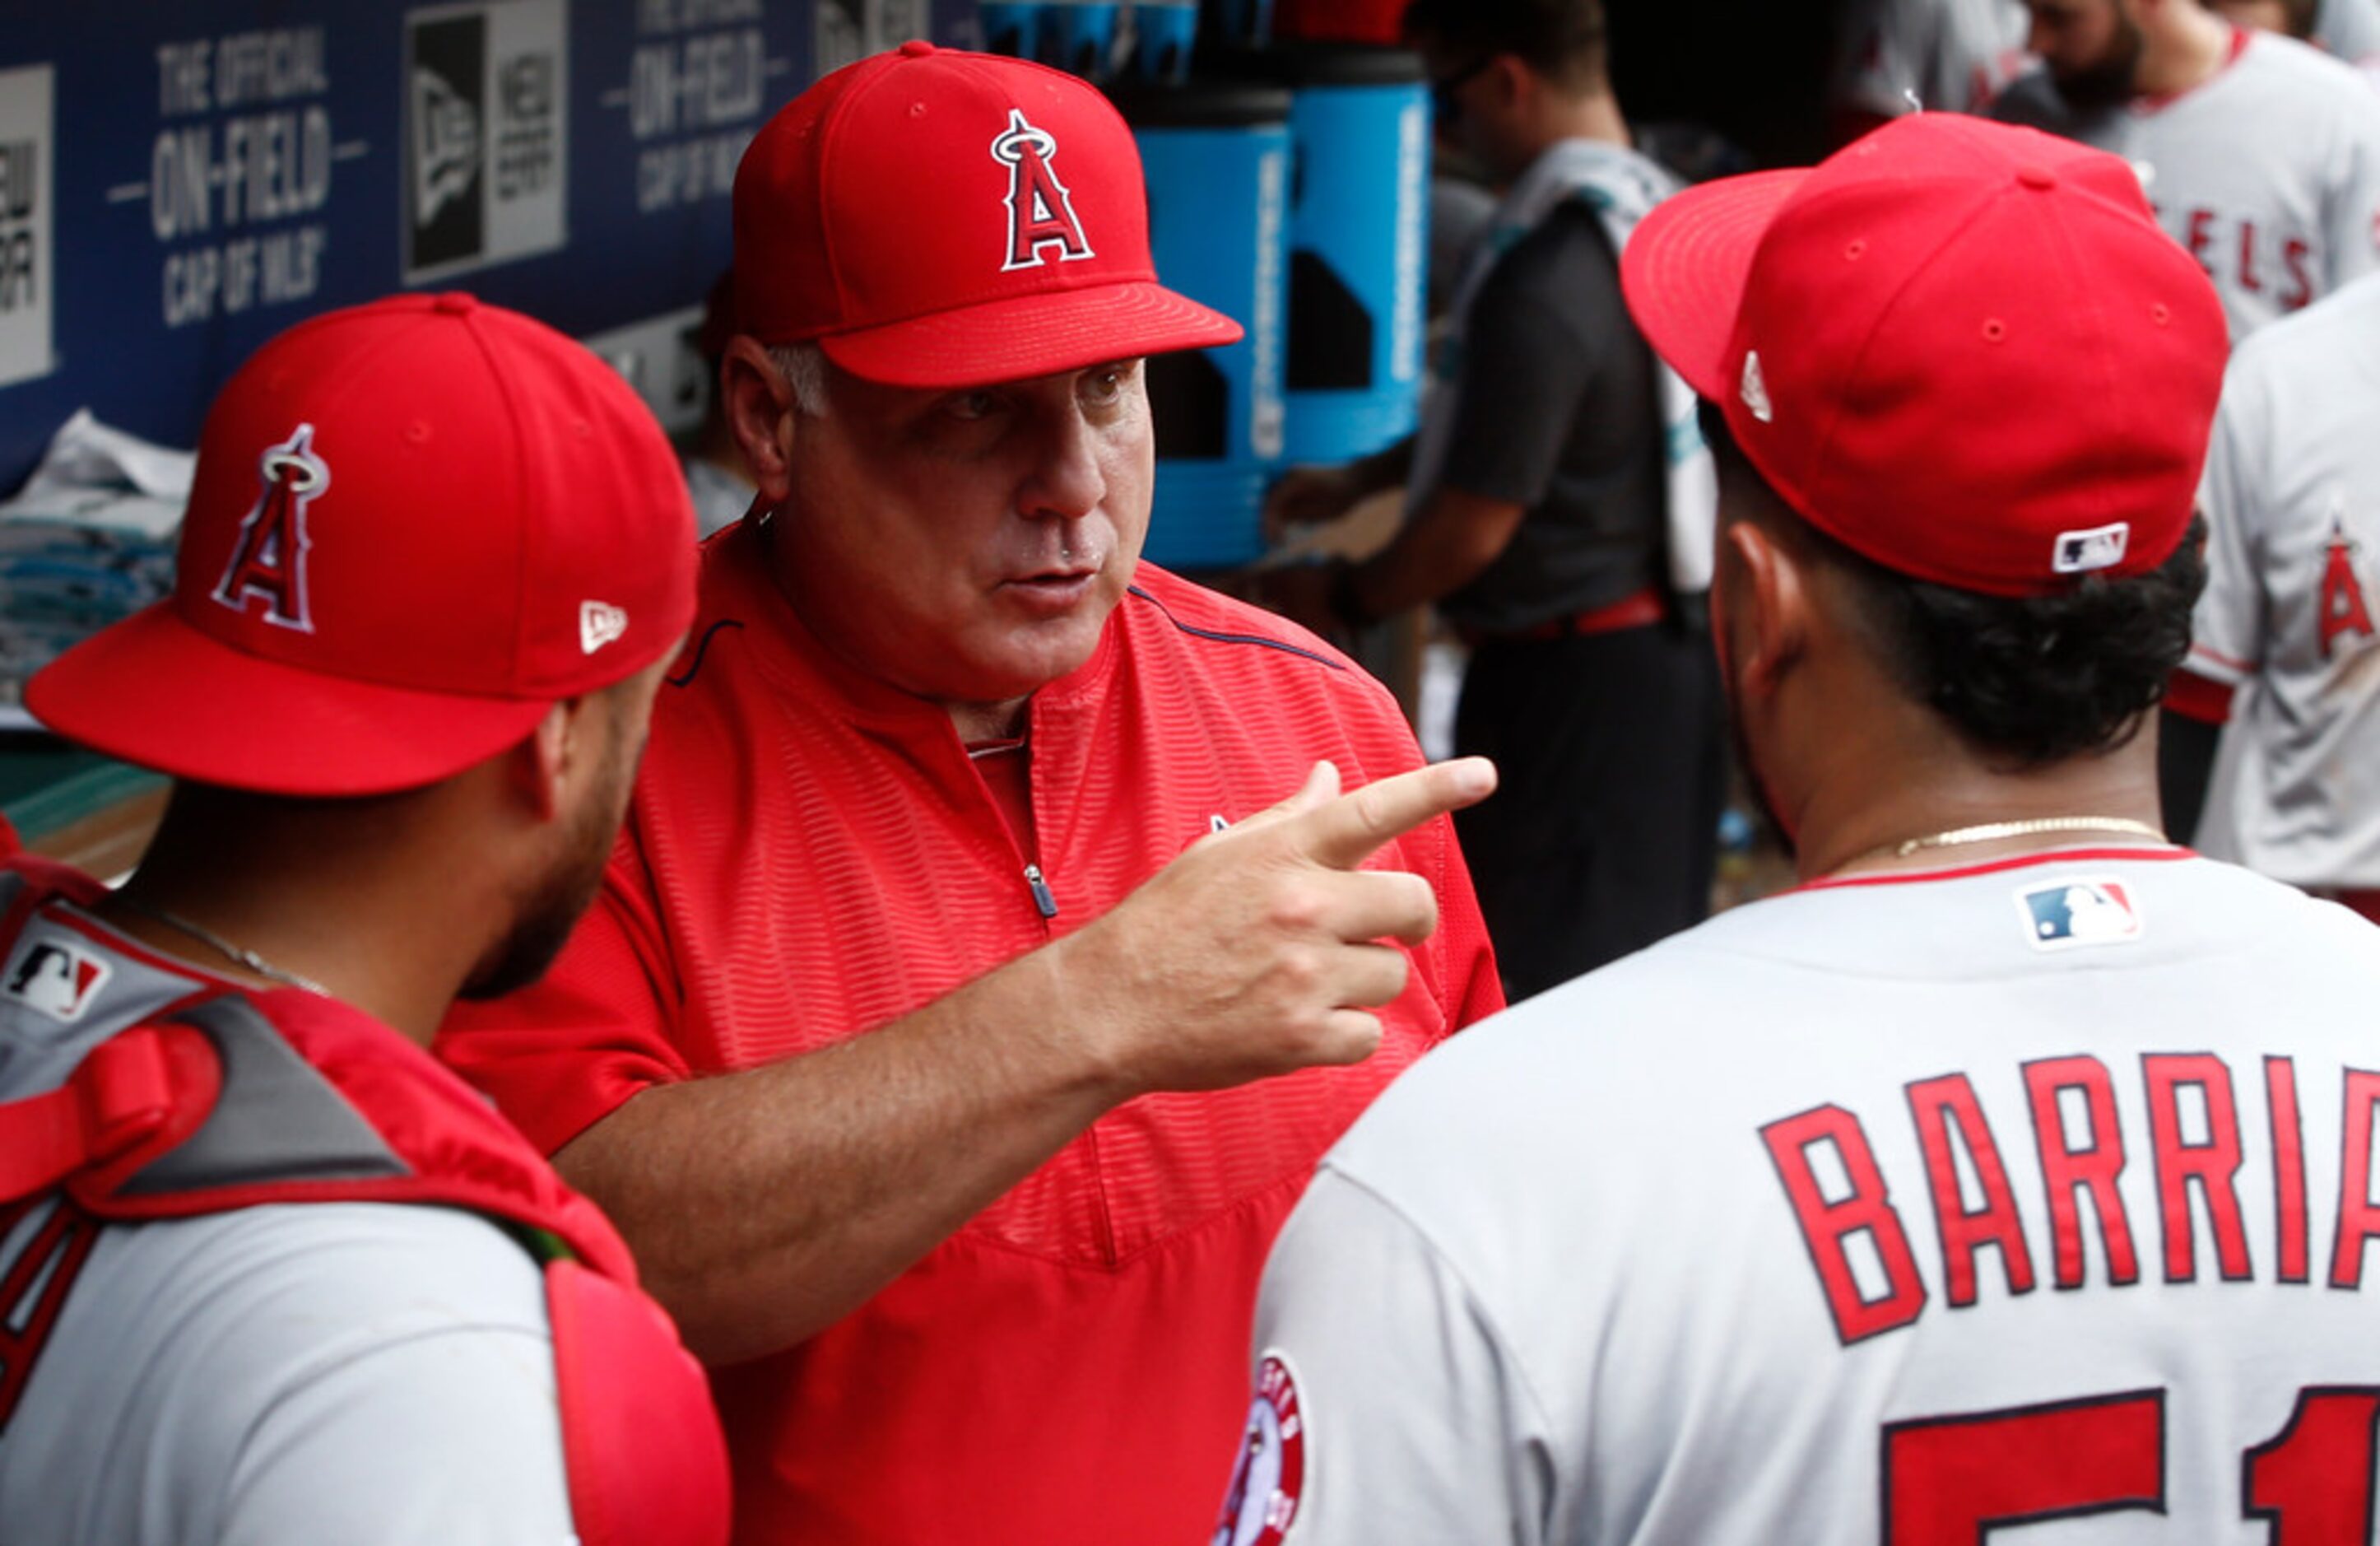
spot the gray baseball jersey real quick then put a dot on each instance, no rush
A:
(2270, 173)
(1886, 1211)
(315, 1372)
(300, 1373)
(2351, 30)
(1956, 55)
(2292, 504)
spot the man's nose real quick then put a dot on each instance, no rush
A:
(1066, 482)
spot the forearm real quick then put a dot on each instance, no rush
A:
(1448, 543)
(763, 1206)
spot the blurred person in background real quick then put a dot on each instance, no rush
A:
(1556, 474)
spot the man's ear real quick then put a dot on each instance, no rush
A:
(1766, 609)
(1516, 82)
(542, 766)
(758, 403)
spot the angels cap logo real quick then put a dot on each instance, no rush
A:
(599, 623)
(269, 559)
(57, 979)
(1040, 210)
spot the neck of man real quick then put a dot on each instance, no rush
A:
(2181, 47)
(979, 723)
(1590, 115)
(1899, 778)
(353, 910)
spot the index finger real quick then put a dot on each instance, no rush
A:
(1347, 831)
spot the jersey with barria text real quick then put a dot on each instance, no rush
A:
(1904, 1211)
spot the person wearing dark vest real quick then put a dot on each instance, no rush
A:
(269, 1272)
(1558, 512)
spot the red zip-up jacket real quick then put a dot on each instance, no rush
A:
(811, 853)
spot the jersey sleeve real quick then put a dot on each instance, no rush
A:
(2226, 644)
(452, 1436)
(562, 1054)
(355, 1372)
(1385, 1407)
(2353, 218)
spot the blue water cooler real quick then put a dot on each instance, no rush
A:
(1358, 237)
(1217, 157)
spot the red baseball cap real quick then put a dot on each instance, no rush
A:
(935, 218)
(1964, 350)
(414, 526)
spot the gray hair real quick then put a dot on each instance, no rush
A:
(804, 368)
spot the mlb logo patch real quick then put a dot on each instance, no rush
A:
(55, 977)
(2102, 547)
(2078, 912)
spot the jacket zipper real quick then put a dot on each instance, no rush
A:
(1042, 900)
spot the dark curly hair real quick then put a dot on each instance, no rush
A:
(2027, 681)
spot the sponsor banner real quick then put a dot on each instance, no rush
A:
(27, 215)
(486, 135)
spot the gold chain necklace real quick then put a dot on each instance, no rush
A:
(241, 954)
(1992, 831)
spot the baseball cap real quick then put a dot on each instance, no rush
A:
(936, 218)
(1964, 350)
(413, 526)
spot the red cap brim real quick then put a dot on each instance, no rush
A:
(1025, 336)
(1685, 267)
(154, 692)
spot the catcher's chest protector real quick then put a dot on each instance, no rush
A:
(182, 1097)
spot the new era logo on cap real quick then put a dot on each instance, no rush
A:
(599, 623)
(2101, 547)
(55, 977)
(1755, 389)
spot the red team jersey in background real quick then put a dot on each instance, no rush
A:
(811, 853)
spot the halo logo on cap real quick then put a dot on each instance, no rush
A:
(269, 559)
(599, 623)
(1040, 211)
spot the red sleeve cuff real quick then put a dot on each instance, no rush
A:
(2194, 697)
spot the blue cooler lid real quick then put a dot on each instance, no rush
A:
(1202, 104)
(1301, 64)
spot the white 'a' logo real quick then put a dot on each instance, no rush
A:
(1040, 211)
(268, 560)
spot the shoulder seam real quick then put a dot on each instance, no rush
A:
(1217, 635)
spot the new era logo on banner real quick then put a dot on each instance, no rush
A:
(599, 623)
(56, 977)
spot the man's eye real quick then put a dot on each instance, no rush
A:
(972, 405)
(1106, 385)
